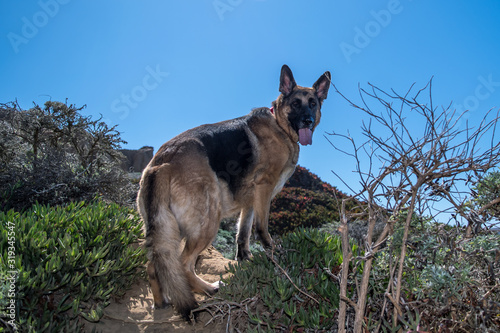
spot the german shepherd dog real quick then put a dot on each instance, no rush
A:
(215, 171)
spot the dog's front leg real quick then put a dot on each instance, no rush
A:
(243, 236)
(262, 205)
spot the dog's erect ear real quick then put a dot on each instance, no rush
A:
(287, 82)
(322, 85)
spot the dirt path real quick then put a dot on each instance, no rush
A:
(134, 313)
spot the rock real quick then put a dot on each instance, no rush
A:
(136, 159)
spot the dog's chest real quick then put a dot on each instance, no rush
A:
(287, 173)
(288, 170)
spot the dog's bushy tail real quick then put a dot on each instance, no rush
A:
(163, 253)
(163, 242)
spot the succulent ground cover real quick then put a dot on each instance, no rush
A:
(70, 260)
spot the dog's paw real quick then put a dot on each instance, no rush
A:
(244, 255)
(217, 285)
(166, 303)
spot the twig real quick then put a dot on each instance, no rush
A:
(228, 318)
(489, 292)
(288, 277)
(49, 189)
(346, 258)
(175, 318)
(351, 303)
(395, 303)
(330, 274)
(220, 308)
(10, 328)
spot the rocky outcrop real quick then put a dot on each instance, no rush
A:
(136, 159)
(305, 179)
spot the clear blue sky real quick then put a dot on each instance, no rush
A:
(157, 68)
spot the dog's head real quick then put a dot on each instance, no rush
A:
(298, 109)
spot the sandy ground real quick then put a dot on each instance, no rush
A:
(134, 313)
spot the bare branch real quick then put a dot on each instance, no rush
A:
(418, 157)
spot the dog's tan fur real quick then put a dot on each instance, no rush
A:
(215, 171)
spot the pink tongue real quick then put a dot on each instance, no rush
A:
(305, 136)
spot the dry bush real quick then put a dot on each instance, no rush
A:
(416, 157)
(55, 155)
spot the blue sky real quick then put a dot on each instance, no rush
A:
(157, 68)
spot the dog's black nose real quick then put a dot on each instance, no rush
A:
(308, 121)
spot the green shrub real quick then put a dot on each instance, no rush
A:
(357, 229)
(305, 201)
(296, 207)
(69, 261)
(226, 236)
(449, 280)
(487, 190)
(224, 243)
(264, 299)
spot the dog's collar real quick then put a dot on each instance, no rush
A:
(272, 110)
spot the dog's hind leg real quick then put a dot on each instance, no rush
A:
(194, 246)
(198, 238)
(191, 252)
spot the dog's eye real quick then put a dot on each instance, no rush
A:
(312, 104)
(296, 104)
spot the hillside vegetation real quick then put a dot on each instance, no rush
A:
(70, 238)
